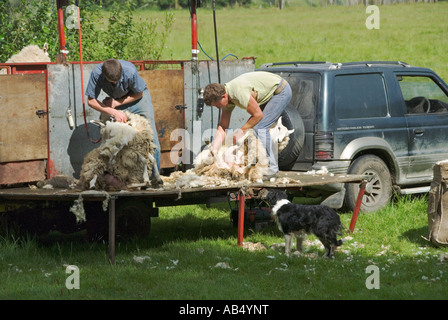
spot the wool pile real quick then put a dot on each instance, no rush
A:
(125, 158)
(239, 164)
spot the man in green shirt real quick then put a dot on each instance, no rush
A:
(263, 95)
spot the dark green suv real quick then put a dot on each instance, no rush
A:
(381, 118)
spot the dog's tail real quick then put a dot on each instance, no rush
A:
(339, 233)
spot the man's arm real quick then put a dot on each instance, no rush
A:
(108, 105)
(221, 131)
(103, 108)
(256, 114)
(113, 103)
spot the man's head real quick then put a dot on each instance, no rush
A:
(215, 95)
(112, 70)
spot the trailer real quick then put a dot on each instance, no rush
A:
(134, 207)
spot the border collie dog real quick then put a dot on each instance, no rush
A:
(299, 220)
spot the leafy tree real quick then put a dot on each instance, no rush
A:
(36, 23)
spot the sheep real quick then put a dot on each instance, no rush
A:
(244, 162)
(124, 159)
(280, 134)
(31, 53)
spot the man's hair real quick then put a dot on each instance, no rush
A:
(112, 69)
(213, 92)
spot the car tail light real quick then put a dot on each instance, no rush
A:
(323, 145)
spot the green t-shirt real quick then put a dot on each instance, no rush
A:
(262, 83)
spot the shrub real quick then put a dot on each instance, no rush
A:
(36, 23)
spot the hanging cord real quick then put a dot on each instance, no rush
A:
(229, 54)
(200, 46)
(82, 79)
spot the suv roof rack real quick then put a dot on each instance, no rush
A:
(370, 63)
(296, 63)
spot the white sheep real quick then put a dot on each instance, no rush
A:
(280, 134)
(125, 158)
(244, 162)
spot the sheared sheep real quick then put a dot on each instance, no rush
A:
(244, 162)
(124, 159)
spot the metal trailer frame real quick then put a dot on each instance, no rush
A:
(175, 197)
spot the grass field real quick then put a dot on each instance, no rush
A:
(414, 33)
(192, 253)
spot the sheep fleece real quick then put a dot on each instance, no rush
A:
(123, 158)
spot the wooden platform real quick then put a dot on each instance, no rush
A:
(174, 197)
(302, 180)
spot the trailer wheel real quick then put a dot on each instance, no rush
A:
(132, 218)
(26, 221)
(97, 221)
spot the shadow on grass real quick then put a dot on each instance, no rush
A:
(418, 236)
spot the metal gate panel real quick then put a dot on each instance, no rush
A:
(167, 94)
(23, 121)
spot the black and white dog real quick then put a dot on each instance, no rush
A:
(299, 220)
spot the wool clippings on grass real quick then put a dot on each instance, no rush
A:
(141, 259)
(173, 265)
(251, 246)
(224, 265)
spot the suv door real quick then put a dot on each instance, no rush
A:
(364, 120)
(426, 102)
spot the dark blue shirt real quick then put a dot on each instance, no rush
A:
(129, 83)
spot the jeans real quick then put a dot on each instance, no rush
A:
(145, 108)
(271, 112)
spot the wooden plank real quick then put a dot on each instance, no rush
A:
(21, 172)
(304, 180)
(23, 135)
(167, 91)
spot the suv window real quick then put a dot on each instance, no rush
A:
(422, 95)
(305, 94)
(360, 95)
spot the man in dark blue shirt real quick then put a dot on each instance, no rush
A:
(126, 90)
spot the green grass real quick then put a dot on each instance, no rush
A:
(414, 33)
(180, 260)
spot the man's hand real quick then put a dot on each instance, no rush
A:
(119, 116)
(238, 135)
(111, 103)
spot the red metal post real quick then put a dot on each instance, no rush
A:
(362, 189)
(241, 204)
(59, 4)
(194, 32)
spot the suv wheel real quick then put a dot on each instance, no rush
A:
(379, 188)
(291, 119)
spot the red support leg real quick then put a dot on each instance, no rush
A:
(362, 189)
(241, 203)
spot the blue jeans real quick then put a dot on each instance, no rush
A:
(271, 112)
(145, 108)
